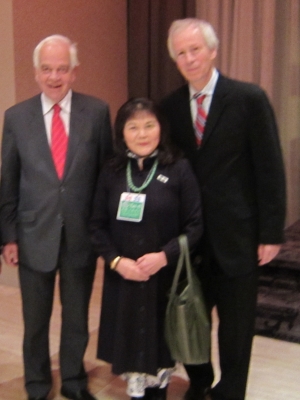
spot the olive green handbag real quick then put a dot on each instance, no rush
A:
(187, 327)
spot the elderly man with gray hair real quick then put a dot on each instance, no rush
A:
(54, 145)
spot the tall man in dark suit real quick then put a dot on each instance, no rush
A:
(45, 206)
(238, 163)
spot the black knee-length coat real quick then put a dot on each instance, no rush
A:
(131, 334)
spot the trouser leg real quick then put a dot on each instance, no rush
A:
(37, 290)
(201, 376)
(235, 299)
(75, 291)
(236, 305)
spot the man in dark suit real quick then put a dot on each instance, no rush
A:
(237, 159)
(50, 165)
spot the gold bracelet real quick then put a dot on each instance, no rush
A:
(115, 262)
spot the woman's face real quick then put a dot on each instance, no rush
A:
(142, 133)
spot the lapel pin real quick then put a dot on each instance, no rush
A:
(162, 178)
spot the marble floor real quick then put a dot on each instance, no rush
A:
(274, 372)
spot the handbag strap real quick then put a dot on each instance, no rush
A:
(184, 258)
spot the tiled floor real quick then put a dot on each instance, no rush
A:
(274, 374)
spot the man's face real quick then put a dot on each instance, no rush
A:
(193, 58)
(54, 74)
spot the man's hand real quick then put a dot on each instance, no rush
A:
(152, 262)
(10, 254)
(266, 252)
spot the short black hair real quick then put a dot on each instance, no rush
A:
(167, 154)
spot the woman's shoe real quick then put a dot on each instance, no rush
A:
(156, 393)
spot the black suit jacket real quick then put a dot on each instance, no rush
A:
(35, 203)
(239, 169)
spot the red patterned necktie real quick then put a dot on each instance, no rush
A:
(59, 141)
(200, 118)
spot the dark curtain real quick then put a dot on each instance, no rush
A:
(151, 72)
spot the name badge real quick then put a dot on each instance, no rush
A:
(131, 207)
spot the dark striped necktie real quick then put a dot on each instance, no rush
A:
(200, 118)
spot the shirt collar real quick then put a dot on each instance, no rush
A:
(209, 88)
(130, 154)
(65, 103)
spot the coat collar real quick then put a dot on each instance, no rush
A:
(77, 129)
(217, 107)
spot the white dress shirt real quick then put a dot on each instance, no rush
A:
(47, 106)
(208, 90)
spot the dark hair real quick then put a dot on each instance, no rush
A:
(166, 153)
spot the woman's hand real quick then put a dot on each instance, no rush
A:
(151, 263)
(129, 269)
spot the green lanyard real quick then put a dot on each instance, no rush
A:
(147, 180)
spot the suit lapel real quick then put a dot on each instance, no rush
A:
(76, 130)
(186, 118)
(216, 109)
(37, 128)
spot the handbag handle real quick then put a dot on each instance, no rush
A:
(184, 258)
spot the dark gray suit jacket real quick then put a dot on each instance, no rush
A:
(35, 204)
(239, 169)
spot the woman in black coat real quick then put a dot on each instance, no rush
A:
(146, 197)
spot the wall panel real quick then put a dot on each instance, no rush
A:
(99, 28)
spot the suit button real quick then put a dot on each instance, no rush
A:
(62, 189)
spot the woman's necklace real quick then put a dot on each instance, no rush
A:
(147, 180)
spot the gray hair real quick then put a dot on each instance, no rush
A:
(56, 38)
(204, 27)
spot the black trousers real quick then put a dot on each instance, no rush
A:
(37, 290)
(235, 299)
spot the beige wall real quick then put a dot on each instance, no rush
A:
(7, 90)
(7, 81)
(98, 26)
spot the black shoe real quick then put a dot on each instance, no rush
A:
(156, 393)
(37, 398)
(82, 394)
(194, 393)
(217, 396)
